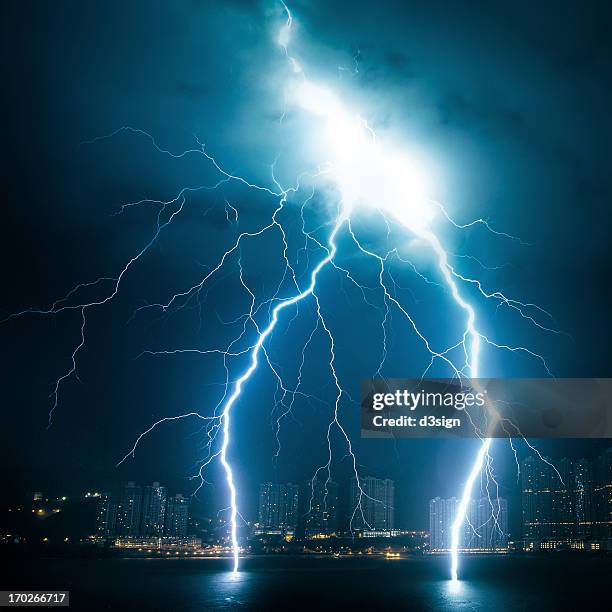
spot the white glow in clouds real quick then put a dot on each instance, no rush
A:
(367, 173)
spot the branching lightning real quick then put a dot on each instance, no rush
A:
(369, 175)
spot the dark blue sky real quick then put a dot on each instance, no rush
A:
(506, 106)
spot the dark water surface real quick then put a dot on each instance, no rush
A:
(554, 582)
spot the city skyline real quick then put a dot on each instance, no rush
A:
(574, 505)
(142, 512)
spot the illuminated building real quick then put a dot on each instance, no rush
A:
(128, 513)
(153, 510)
(602, 497)
(441, 517)
(485, 530)
(106, 517)
(548, 512)
(322, 515)
(377, 505)
(278, 508)
(573, 511)
(487, 525)
(177, 516)
(583, 499)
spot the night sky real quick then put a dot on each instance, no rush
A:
(506, 108)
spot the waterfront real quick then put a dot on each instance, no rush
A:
(547, 582)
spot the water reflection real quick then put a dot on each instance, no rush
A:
(283, 582)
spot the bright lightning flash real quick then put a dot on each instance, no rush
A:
(369, 174)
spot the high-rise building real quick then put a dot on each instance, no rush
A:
(128, 514)
(177, 516)
(582, 480)
(571, 507)
(153, 510)
(322, 509)
(547, 500)
(106, 517)
(372, 504)
(485, 526)
(441, 516)
(602, 497)
(278, 508)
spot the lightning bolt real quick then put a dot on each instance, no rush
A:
(370, 175)
(357, 155)
(238, 385)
